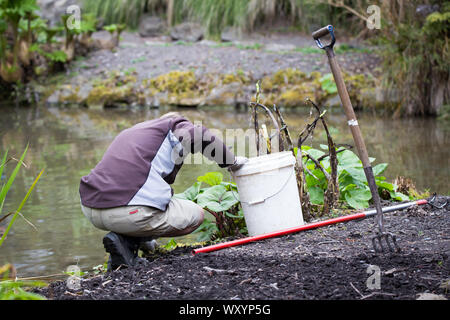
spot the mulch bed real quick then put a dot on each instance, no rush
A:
(329, 263)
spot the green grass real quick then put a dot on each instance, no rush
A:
(138, 60)
(223, 45)
(255, 46)
(345, 48)
(183, 43)
(308, 50)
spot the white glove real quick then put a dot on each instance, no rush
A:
(238, 163)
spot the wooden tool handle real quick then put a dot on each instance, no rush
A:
(348, 109)
(321, 32)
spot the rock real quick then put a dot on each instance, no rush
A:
(102, 40)
(208, 43)
(84, 91)
(54, 98)
(391, 95)
(333, 101)
(230, 34)
(225, 95)
(151, 26)
(187, 31)
(186, 101)
(277, 47)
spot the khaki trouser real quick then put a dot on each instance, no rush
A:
(180, 218)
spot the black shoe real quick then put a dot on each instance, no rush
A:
(122, 250)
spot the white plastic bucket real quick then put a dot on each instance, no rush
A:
(268, 192)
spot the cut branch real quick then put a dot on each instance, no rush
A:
(331, 195)
(341, 4)
(285, 129)
(319, 166)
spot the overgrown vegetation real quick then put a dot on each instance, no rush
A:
(413, 39)
(10, 289)
(29, 47)
(416, 56)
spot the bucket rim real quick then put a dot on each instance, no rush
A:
(259, 165)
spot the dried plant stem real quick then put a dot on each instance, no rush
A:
(331, 195)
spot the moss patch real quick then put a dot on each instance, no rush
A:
(287, 88)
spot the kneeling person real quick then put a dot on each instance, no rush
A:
(129, 193)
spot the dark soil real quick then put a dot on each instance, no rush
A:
(326, 263)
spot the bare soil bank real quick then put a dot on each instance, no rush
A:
(330, 263)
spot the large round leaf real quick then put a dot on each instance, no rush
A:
(191, 193)
(217, 199)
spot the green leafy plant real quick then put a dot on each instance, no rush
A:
(55, 56)
(12, 12)
(115, 30)
(353, 188)
(328, 84)
(221, 200)
(170, 245)
(51, 32)
(88, 23)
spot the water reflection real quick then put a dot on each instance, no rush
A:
(68, 143)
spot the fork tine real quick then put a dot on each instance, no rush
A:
(377, 245)
(380, 237)
(388, 241)
(374, 245)
(394, 241)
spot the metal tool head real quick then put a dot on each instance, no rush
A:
(389, 239)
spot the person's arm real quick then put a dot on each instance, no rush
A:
(200, 139)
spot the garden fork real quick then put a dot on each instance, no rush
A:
(382, 235)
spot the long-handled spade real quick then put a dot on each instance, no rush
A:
(382, 235)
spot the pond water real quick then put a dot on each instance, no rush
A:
(68, 143)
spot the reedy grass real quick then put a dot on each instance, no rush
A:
(7, 186)
(215, 15)
(12, 289)
(117, 11)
